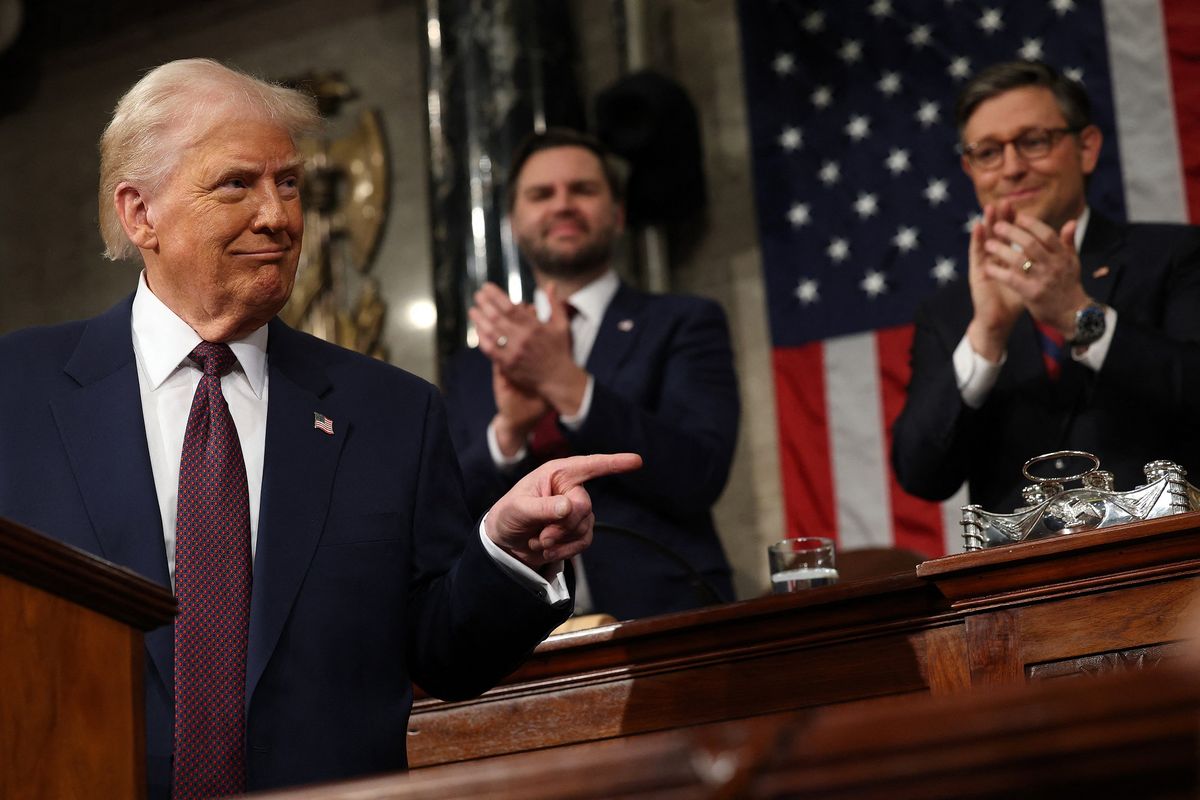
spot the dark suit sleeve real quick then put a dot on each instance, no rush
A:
(1153, 362)
(687, 431)
(473, 624)
(929, 440)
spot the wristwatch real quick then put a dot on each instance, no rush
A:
(1089, 325)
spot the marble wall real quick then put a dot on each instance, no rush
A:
(50, 263)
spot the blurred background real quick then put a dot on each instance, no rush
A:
(729, 116)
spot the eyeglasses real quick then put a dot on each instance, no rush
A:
(1032, 144)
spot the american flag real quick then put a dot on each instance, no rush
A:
(322, 423)
(863, 209)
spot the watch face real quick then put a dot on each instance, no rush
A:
(1089, 325)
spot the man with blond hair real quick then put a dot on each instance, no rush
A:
(302, 500)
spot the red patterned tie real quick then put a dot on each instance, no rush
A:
(546, 440)
(212, 582)
(1052, 348)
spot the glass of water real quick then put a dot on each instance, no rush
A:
(805, 562)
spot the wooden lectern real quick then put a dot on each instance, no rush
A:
(71, 663)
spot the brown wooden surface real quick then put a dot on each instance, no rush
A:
(1098, 601)
(124, 595)
(1131, 734)
(71, 661)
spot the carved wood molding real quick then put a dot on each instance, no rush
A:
(1128, 660)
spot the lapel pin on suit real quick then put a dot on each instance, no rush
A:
(1101, 272)
(625, 325)
(323, 423)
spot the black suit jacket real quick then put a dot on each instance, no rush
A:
(1139, 407)
(665, 388)
(368, 568)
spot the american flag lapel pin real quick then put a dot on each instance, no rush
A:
(322, 423)
(625, 325)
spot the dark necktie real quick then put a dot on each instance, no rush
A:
(1052, 343)
(212, 582)
(546, 440)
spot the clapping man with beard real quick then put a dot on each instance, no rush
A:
(596, 366)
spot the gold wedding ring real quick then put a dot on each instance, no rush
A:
(501, 340)
(1028, 265)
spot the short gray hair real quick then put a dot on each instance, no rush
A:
(170, 109)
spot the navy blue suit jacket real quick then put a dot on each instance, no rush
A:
(368, 568)
(665, 387)
(1139, 407)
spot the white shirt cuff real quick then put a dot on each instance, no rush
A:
(575, 421)
(1094, 354)
(974, 374)
(552, 591)
(498, 458)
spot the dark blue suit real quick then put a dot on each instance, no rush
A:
(368, 568)
(665, 387)
(1139, 407)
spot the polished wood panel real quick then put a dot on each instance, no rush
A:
(1030, 611)
(71, 662)
(773, 654)
(1122, 735)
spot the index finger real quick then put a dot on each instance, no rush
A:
(576, 470)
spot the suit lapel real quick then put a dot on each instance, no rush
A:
(1099, 258)
(298, 474)
(1100, 269)
(104, 434)
(618, 331)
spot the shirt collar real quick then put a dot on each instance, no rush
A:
(589, 302)
(163, 341)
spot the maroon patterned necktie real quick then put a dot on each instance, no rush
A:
(546, 440)
(212, 582)
(1052, 343)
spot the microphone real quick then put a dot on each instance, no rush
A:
(707, 595)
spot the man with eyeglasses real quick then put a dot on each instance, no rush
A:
(1072, 332)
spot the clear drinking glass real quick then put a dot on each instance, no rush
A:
(804, 562)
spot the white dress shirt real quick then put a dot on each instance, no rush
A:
(976, 375)
(167, 381)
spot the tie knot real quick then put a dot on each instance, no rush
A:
(215, 359)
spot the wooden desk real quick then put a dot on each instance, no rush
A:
(1088, 603)
(1132, 734)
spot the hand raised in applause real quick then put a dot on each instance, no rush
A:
(533, 355)
(996, 306)
(517, 412)
(1040, 266)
